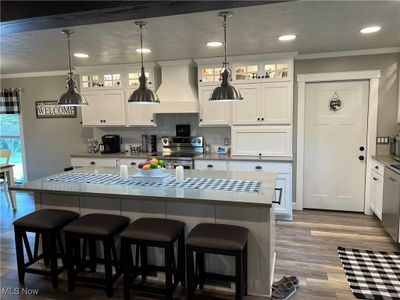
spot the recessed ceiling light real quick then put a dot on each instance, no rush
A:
(81, 55)
(214, 44)
(370, 29)
(287, 37)
(143, 50)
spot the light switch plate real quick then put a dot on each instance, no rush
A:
(382, 140)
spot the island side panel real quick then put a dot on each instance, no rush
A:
(56, 201)
(258, 220)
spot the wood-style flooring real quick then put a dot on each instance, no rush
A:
(305, 247)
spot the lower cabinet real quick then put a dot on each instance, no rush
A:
(376, 191)
(99, 162)
(284, 180)
(131, 163)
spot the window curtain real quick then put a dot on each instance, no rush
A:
(10, 101)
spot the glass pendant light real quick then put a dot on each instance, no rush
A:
(71, 97)
(225, 92)
(143, 95)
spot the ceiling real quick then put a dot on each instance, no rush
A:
(320, 26)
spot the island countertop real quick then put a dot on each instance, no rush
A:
(264, 197)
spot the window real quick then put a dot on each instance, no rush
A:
(10, 139)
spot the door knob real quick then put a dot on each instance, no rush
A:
(361, 157)
(362, 148)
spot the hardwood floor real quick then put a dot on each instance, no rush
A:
(305, 247)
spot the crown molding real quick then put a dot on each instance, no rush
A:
(358, 52)
(34, 74)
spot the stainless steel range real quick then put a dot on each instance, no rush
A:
(180, 151)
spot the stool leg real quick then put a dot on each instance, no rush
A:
(92, 255)
(201, 265)
(239, 276)
(70, 261)
(53, 259)
(126, 258)
(143, 261)
(45, 249)
(181, 258)
(191, 286)
(169, 291)
(108, 267)
(245, 269)
(20, 255)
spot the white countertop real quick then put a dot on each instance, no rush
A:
(263, 197)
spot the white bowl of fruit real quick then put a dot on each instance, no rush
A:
(151, 167)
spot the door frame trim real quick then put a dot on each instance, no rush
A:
(373, 77)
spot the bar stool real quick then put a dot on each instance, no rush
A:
(92, 228)
(46, 223)
(220, 239)
(153, 232)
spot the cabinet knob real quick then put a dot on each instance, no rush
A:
(210, 166)
(361, 157)
(258, 168)
(374, 178)
(201, 120)
(133, 164)
(258, 119)
(262, 119)
(376, 167)
(151, 120)
(92, 163)
(200, 80)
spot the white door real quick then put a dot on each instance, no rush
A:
(335, 146)
(212, 113)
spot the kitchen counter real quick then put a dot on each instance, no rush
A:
(252, 210)
(212, 156)
(387, 161)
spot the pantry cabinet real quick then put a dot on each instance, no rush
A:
(106, 108)
(139, 114)
(212, 113)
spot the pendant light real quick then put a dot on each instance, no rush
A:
(143, 95)
(71, 97)
(225, 92)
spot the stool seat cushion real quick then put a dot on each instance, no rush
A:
(47, 219)
(218, 236)
(154, 229)
(98, 224)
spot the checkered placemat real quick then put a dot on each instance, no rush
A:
(372, 274)
(231, 185)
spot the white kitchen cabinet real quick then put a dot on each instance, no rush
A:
(284, 181)
(262, 140)
(276, 103)
(106, 108)
(139, 114)
(97, 80)
(248, 110)
(376, 188)
(131, 162)
(90, 161)
(212, 113)
(211, 165)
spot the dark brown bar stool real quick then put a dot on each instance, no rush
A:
(92, 228)
(153, 232)
(217, 239)
(46, 223)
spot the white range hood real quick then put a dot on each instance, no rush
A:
(177, 92)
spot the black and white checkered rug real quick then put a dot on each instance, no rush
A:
(232, 185)
(372, 274)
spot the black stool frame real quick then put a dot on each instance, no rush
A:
(51, 238)
(173, 273)
(197, 277)
(77, 262)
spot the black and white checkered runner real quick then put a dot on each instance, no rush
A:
(9, 101)
(372, 274)
(189, 182)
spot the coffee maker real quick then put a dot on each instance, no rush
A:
(111, 143)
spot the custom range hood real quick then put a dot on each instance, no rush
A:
(177, 90)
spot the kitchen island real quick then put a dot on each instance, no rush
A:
(251, 209)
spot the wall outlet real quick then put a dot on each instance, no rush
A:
(382, 140)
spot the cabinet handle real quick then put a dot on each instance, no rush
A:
(280, 196)
(210, 166)
(133, 164)
(258, 119)
(262, 119)
(374, 178)
(258, 168)
(376, 167)
(92, 163)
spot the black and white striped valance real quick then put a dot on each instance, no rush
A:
(10, 101)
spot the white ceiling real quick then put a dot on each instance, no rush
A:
(320, 26)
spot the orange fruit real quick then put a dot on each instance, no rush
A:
(155, 160)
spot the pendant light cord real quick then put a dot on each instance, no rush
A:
(141, 43)
(225, 40)
(69, 52)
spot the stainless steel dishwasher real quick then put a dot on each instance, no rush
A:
(391, 203)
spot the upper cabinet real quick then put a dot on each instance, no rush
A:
(97, 80)
(139, 114)
(212, 113)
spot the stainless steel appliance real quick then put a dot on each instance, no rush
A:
(180, 151)
(183, 130)
(111, 143)
(391, 201)
(395, 146)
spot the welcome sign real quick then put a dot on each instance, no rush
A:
(50, 110)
